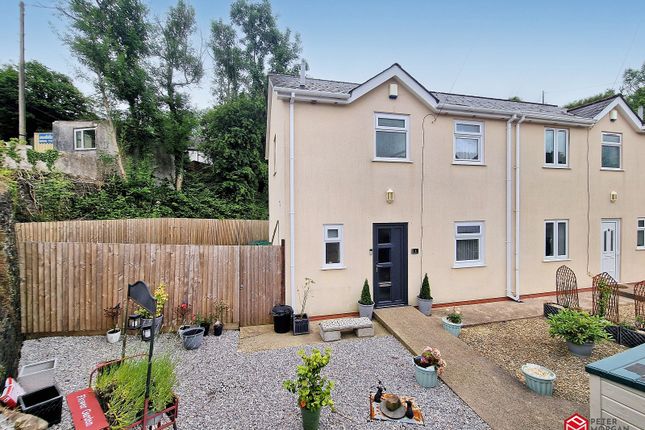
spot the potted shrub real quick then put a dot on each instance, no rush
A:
(220, 307)
(120, 390)
(425, 298)
(428, 366)
(579, 329)
(113, 334)
(313, 389)
(366, 304)
(183, 312)
(301, 320)
(453, 322)
(161, 296)
(538, 378)
(204, 321)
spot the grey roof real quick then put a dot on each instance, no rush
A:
(293, 82)
(475, 102)
(592, 109)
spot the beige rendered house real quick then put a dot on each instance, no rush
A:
(387, 180)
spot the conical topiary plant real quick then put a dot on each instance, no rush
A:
(366, 297)
(425, 289)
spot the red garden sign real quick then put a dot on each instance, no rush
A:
(86, 411)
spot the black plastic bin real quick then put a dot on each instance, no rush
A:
(46, 403)
(282, 318)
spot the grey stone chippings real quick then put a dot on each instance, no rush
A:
(221, 388)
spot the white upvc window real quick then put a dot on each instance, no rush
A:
(556, 234)
(333, 246)
(556, 147)
(84, 138)
(392, 140)
(468, 142)
(640, 233)
(612, 157)
(469, 244)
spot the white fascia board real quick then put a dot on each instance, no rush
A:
(620, 103)
(268, 134)
(286, 93)
(395, 71)
(464, 110)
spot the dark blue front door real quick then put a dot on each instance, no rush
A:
(390, 264)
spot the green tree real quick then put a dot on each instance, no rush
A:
(634, 87)
(50, 96)
(180, 66)
(111, 39)
(233, 138)
(366, 297)
(581, 102)
(425, 289)
(248, 48)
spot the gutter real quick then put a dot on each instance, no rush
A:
(292, 92)
(292, 208)
(518, 150)
(509, 205)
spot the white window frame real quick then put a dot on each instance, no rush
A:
(468, 135)
(378, 127)
(481, 237)
(340, 240)
(639, 228)
(556, 163)
(81, 130)
(620, 149)
(556, 256)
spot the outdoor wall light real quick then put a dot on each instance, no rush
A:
(394, 91)
(613, 115)
(134, 322)
(389, 196)
(613, 196)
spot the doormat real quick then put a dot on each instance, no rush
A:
(377, 414)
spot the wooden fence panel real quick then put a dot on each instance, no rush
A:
(66, 285)
(169, 231)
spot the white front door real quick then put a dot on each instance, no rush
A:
(610, 248)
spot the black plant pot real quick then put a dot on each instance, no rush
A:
(207, 328)
(300, 324)
(46, 403)
(218, 329)
(631, 338)
(615, 331)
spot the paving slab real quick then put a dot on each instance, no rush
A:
(494, 394)
(263, 338)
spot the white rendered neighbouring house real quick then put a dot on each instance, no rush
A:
(387, 180)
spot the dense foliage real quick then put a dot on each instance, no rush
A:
(49, 96)
(312, 388)
(577, 327)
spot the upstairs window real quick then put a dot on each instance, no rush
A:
(556, 147)
(611, 151)
(392, 141)
(640, 233)
(333, 250)
(556, 235)
(469, 244)
(468, 142)
(84, 138)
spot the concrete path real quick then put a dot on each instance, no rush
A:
(495, 395)
(484, 313)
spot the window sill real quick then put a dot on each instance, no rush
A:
(609, 169)
(84, 149)
(466, 163)
(389, 160)
(468, 265)
(640, 248)
(551, 260)
(333, 268)
(546, 166)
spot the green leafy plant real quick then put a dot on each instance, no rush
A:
(48, 157)
(640, 322)
(604, 294)
(578, 327)
(121, 389)
(455, 316)
(366, 297)
(312, 388)
(425, 289)
(220, 307)
(161, 296)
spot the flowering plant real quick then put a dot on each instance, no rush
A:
(161, 296)
(183, 312)
(454, 316)
(431, 357)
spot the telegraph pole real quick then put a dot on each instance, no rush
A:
(22, 126)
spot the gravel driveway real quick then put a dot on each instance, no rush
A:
(221, 388)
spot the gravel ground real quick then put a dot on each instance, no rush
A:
(221, 388)
(514, 343)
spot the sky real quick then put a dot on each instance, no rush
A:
(568, 49)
